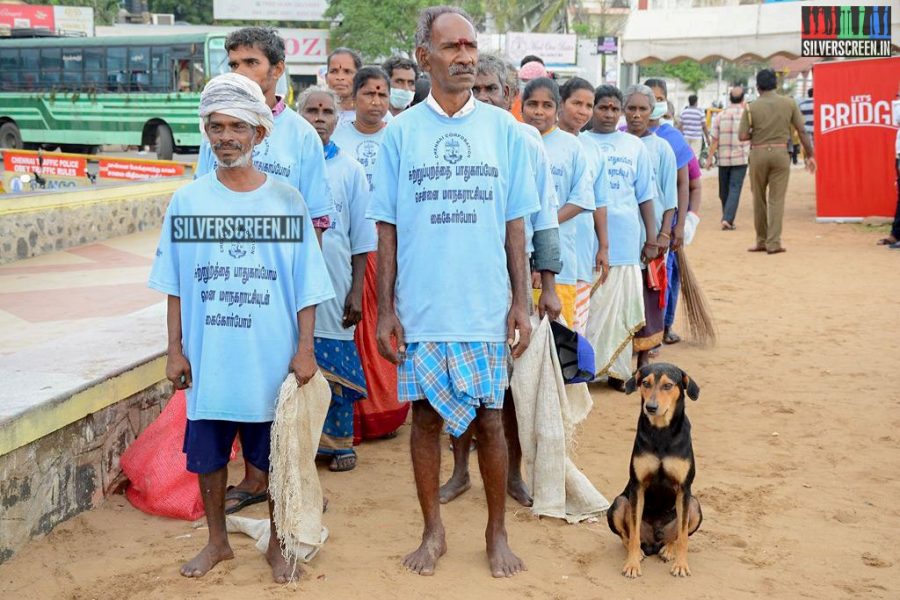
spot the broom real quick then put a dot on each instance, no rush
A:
(700, 322)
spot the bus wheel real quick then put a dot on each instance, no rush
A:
(10, 136)
(165, 143)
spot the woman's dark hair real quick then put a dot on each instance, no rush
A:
(357, 59)
(572, 86)
(766, 80)
(530, 58)
(658, 83)
(423, 87)
(541, 83)
(608, 91)
(365, 74)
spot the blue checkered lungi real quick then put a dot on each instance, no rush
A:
(456, 378)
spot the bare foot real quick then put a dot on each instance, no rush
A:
(424, 558)
(210, 556)
(283, 570)
(503, 562)
(454, 488)
(516, 488)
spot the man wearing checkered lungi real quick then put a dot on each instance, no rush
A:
(451, 188)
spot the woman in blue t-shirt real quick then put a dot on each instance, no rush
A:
(571, 178)
(345, 247)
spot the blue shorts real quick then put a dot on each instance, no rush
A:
(207, 444)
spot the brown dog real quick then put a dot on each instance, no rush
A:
(656, 513)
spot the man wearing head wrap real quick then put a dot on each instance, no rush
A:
(293, 151)
(242, 292)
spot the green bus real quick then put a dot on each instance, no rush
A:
(81, 93)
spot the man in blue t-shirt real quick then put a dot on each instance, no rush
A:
(292, 153)
(451, 188)
(241, 305)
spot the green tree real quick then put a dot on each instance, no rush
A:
(542, 16)
(377, 28)
(690, 72)
(198, 12)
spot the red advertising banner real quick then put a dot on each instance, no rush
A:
(27, 16)
(854, 138)
(138, 169)
(66, 166)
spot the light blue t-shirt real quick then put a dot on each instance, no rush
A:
(573, 183)
(350, 233)
(292, 152)
(363, 147)
(587, 244)
(630, 183)
(450, 185)
(547, 217)
(239, 301)
(665, 196)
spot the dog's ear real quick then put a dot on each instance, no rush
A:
(632, 384)
(690, 386)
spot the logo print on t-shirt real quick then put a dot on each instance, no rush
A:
(366, 153)
(452, 148)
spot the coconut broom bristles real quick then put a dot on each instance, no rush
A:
(696, 308)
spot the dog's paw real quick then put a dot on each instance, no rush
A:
(667, 552)
(632, 569)
(680, 569)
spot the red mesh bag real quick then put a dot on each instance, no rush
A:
(157, 467)
(380, 413)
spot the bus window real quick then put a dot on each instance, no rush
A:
(115, 69)
(159, 70)
(51, 66)
(181, 67)
(72, 68)
(218, 57)
(9, 69)
(30, 65)
(94, 68)
(139, 67)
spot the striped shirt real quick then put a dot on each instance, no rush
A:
(692, 122)
(725, 125)
(806, 109)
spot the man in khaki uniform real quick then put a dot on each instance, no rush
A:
(766, 124)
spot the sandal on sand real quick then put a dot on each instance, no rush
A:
(616, 384)
(671, 338)
(243, 498)
(726, 226)
(757, 249)
(343, 462)
(776, 251)
(886, 241)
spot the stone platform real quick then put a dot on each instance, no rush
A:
(81, 360)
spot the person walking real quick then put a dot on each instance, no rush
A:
(732, 155)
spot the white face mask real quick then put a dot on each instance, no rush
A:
(659, 109)
(401, 98)
(667, 121)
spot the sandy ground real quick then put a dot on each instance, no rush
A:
(795, 434)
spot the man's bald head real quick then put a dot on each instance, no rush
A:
(736, 96)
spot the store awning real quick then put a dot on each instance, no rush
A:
(758, 32)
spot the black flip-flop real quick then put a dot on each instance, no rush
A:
(243, 498)
(342, 463)
(671, 338)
